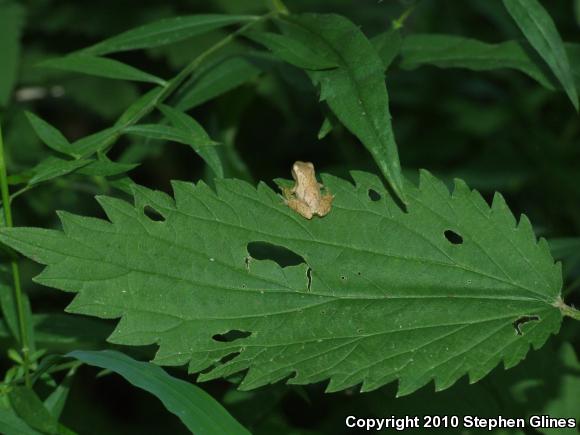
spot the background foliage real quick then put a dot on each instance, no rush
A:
(511, 129)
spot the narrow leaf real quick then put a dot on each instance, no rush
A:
(215, 80)
(48, 134)
(198, 411)
(101, 67)
(96, 142)
(106, 168)
(165, 32)
(159, 132)
(450, 51)
(199, 139)
(450, 287)
(355, 91)
(11, 21)
(293, 51)
(53, 167)
(56, 400)
(541, 32)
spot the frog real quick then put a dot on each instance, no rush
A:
(306, 197)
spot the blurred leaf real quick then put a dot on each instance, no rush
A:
(10, 315)
(31, 409)
(199, 139)
(101, 67)
(165, 32)
(65, 332)
(198, 411)
(542, 34)
(292, 51)
(325, 129)
(103, 167)
(56, 401)
(105, 98)
(215, 80)
(388, 45)
(10, 422)
(53, 167)
(11, 22)
(48, 134)
(449, 51)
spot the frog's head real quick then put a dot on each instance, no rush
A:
(302, 171)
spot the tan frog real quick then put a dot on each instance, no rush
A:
(305, 197)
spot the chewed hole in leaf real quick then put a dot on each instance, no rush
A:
(309, 278)
(374, 195)
(282, 256)
(230, 336)
(153, 214)
(453, 237)
(523, 320)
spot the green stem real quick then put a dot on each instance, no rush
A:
(570, 312)
(24, 343)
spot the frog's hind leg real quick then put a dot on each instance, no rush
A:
(300, 207)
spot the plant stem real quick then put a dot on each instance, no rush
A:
(570, 312)
(24, 343)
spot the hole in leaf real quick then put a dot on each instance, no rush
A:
(230, 336)
(374, 195)
(153, 214)
(282, 256)
(228, 358)
(309, 277)
(453, 237)
(522, 320)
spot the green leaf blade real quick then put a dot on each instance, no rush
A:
(199, 140)
(390, 299)
(292, 51)
(541, 32)
(101, 67)
(355, 91)
(451, 51)
(200, 412)
(165, 32)
(48, 134)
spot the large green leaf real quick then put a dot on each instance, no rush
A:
(540, 30)
(165, 32)
(450, 51)
(355, 91)
(450, 287)
(200, 412)
(11, 21)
